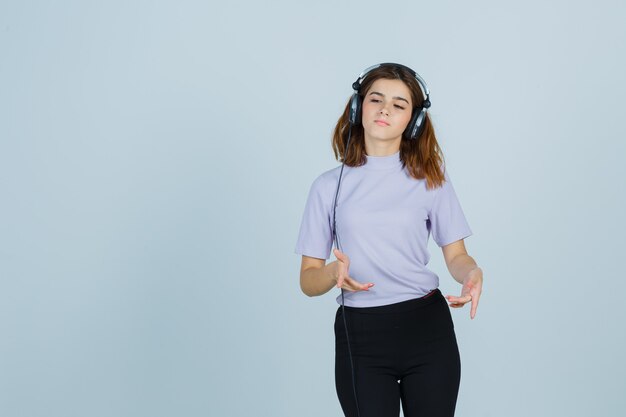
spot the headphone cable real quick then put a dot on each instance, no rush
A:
(337, 245)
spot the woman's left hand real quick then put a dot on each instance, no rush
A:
(472, 287)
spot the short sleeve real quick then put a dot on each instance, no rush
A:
(447, 220)
(315, 238)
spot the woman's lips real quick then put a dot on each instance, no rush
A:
(381, 123)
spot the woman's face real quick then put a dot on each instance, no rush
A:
(386, 110)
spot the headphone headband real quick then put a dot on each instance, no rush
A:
(356, 86)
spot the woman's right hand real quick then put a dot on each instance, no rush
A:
(341, 274)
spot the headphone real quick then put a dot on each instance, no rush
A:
(412, 132)
(416, 124)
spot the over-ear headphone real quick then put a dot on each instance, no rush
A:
(416, 124)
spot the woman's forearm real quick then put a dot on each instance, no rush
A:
(460, 266)
(318, 281)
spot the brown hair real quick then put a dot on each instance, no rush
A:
(422, 157)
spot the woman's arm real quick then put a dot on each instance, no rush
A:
(459, 263)
(466, 272)
(317, 278)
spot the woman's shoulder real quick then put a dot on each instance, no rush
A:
(329, 177)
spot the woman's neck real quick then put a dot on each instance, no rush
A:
(381, 147)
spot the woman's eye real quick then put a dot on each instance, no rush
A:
(373, 100)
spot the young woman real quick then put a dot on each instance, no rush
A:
(394, 336)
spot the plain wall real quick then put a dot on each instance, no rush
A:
(155, 158)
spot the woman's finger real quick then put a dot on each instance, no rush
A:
(347, 283)
(343, 276)
(342, 279)
(340, 255)
(459, 300)
(474, 306)
(354, 285)
(343, 265)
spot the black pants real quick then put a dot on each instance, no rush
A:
(404, 352)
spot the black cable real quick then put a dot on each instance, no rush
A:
(336, 237)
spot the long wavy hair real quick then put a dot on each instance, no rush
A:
(422, 157)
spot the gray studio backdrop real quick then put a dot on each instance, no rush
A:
(155, 160)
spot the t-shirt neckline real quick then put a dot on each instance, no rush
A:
(383, 162)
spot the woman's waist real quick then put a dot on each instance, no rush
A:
(401, 305)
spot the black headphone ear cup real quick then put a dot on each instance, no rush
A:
(420, 122)
(416, 125)
(408, 132)
(355, 109)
